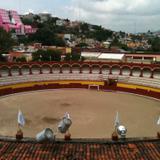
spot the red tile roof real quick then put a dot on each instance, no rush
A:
(80, 150)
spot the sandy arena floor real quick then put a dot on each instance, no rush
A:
(92, 112)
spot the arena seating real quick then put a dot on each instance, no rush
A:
(47, 77)
(138, 74)
(145, 81)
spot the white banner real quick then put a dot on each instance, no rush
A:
(21, 120)
(117, 122)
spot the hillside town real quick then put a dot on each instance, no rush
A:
(31, 36)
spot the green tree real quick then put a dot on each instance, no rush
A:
(56, 55)
(75, 56)
(23, 39)
(36, 56)
(36, 22)
(82, 58)
(59, 42)
(6, 43)
(124, 47)
(102, 34)
(155, 43)
(47, 55)
(46, 36)
(21, 59)
(67, 57)
(37, 18)
(115, 42)
(27, 21)
(82, 45)
(84, 28)
(72, 57)
(122, 34)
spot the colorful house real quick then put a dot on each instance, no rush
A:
(10, 21)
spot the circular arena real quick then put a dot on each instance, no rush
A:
(93, 112)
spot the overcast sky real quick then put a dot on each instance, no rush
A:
(126, 15)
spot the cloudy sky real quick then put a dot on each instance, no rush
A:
(126, 15)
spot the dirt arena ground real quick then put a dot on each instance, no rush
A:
(92, 112)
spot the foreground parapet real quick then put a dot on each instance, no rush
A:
(96, 149)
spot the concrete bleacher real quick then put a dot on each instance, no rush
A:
(46, 77)
(126, 72)
(151, 82)
(145, 81)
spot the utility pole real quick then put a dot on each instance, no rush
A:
(19, 6)
(135, 27)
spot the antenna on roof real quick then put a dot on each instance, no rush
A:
(77, 18)
(19, 6)
(135, 27)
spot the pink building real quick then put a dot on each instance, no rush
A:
(10, 20)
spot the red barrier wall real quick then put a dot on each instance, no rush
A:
(8, 91)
